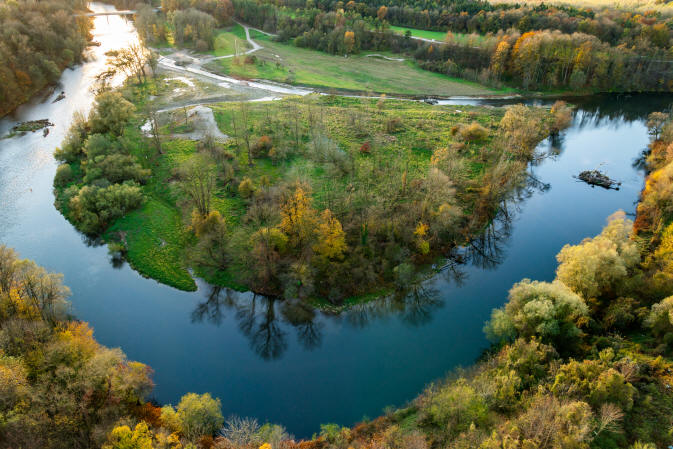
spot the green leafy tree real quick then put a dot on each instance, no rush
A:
(549, 311)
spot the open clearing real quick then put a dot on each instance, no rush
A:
(289, 64)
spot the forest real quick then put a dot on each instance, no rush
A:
(37, 41)
(533, 48)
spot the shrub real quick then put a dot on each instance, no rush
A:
(453, 409)
(110, 113)
(660, 319)
(262, 146)
(550, 311)
(473, 132)
(200, 415)
(246, 188)
(594, 382)
(94, 208)
(394, 125)
(597, 265)
(63, 175)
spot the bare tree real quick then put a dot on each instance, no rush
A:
(198, 178)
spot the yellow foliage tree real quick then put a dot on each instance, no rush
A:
(298, 217)
(122, 437)
(349, 41)
(331, 237)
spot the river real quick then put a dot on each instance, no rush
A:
(278, 361)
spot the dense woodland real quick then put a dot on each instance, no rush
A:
(37, 41)
(535, 48)
(530, 47)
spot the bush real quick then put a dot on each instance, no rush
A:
(598, 265)
(200, 415)
(550, 311)
(453, 409)
(262, 146)
(94, 208)
(246, 188)
(660, 319)
(110, 113)
(394, 125)
(63, 175)
(473, 132)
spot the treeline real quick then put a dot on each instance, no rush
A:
(37, 41)
(187, 22)
(550, 57)
(644, 30)
(61, 389)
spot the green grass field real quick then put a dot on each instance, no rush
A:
(436, 35)
(289, 64)
(440, 36)
(228, 40)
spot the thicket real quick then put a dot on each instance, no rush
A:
(187, 23)
(37, 41)
(100, 176)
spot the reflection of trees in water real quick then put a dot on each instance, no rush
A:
(266, 322)
(414, 306)
(263, 320)
(613, 111)
(487, 250)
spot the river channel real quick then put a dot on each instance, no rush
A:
(279, 361)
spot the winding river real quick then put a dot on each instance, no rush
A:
(278, 361)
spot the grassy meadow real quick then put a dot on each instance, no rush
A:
(289, 64)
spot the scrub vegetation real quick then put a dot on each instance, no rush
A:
(304, 192)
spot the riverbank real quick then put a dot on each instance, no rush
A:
(33, 69)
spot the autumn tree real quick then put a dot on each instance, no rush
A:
(298, 217)
(598, 265)
(549, 311)
(110, 113)
(331, 239)
(349, 42)
(656, 122)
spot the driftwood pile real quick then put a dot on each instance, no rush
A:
(29, 126)
(596, 178)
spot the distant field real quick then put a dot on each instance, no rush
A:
(665, 7)
(436, 35)
(289, 64)
(440, 36)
